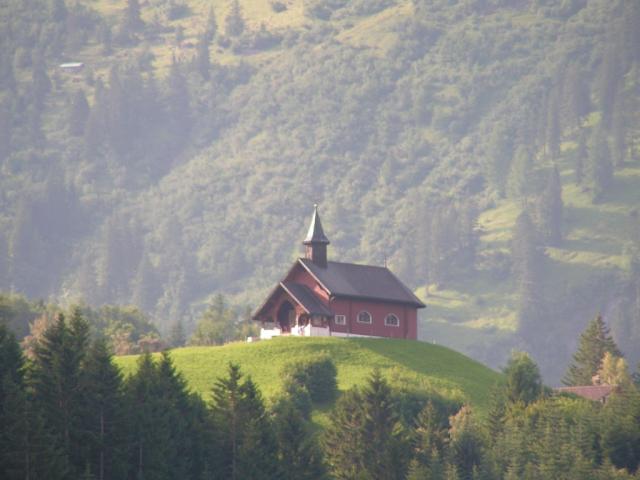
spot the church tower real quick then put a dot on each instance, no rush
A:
(316, 241)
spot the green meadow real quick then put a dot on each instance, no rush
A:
(415, 365)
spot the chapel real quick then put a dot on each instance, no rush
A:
(320, 297)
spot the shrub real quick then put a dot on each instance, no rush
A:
(316, 374)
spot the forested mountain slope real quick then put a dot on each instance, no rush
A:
(183, 159)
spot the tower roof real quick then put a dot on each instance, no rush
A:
(315, 233)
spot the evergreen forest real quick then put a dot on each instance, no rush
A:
(166, 154)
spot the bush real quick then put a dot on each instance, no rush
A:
(316, 374)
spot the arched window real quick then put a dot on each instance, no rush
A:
(364, 317)
(391, 320)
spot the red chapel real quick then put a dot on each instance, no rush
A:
(318, 297)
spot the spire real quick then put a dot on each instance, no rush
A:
(316, 241)
(315, 233)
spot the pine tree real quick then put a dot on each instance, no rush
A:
(212, 25)
(202, 60)
(550, 210)
(40, 82)
(58, 10)
(78, 113)
(345, 428)
(600, 169)
(594, 342)
(246, 443)
(104, 415)
(553, 132)
(429, 436)
(56, 382)
(186, 421)
(519, 182)
(150, 436)
(608, 82)
(466, 444)
(499, 157)
(528, 263)
(382, 430)
(234, 23)
(133, 19)
(577, 102)
(27, 450)
(496, 416)
(619, 123)
(6, 131)
(300, 455)
(178, 102)
(580, 156)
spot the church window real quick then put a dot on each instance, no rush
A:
(392, 320)
(364, 317)
(341, 320)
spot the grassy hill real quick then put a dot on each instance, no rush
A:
(423, 366)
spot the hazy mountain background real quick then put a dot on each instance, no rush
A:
(184, 158)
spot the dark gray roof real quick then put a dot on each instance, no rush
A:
(361, 281)
(315, 233)
(305, 297)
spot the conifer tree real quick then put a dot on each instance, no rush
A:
(577, 101)
(246, 441)
(27, 450)
(40, 82)
(178, 102)
(499, 158)
(202, 60)
(7, 76)
(580, 158)
(58, 10)
(78, 113)
(466, 444)
(553, 132)
(608, 81)
(133, 19)
(150, 437)
(429, 436)
(550, 210)
(212, 25)
(600, 169)
(528, 263)
(6, 129)
(299, 454)
(234, 23)
(56, 382)
(519, 182)
(618, 129)
(496, 416)
(345, 428)
(382, 430)
(594, 342)
(104, 417)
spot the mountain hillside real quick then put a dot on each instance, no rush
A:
(183, 158)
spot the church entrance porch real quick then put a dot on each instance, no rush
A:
(286, 317)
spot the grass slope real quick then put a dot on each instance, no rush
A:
(414, 364)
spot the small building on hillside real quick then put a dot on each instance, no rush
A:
(596, 393)
(318, 297)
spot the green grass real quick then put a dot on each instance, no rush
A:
(414, 364)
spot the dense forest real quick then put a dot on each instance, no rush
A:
(161, 152)
(66, 412)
